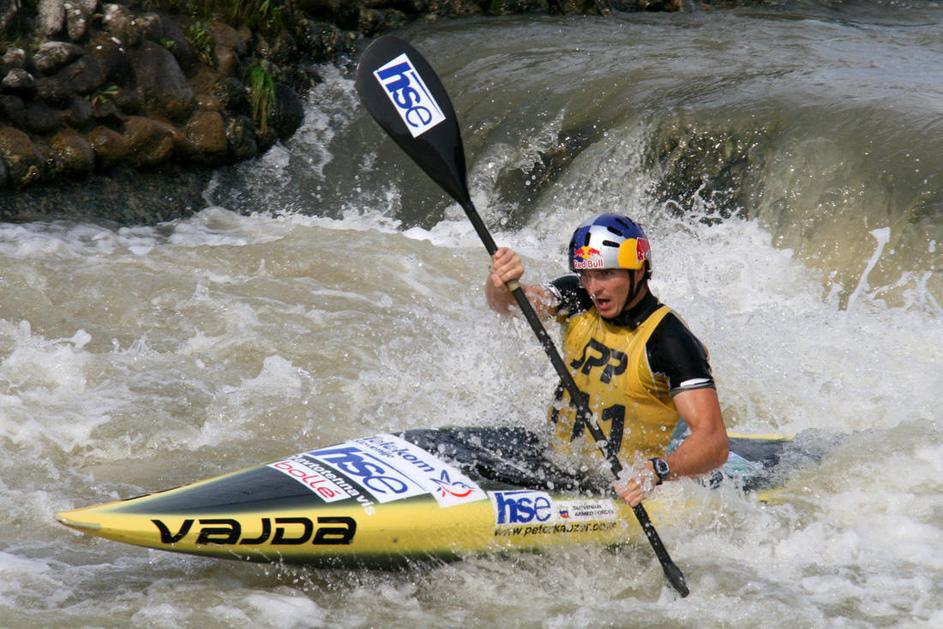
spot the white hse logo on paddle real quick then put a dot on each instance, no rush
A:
(410, 96)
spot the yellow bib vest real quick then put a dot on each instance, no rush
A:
(630, 405)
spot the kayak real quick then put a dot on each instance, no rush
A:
(392, 499)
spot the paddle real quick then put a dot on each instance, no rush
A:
(405, 96)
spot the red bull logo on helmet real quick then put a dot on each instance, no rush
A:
(409, 95)
(633, 252)
(587, 257)
(643, 250)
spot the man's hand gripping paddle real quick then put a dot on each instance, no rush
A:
(405, 96)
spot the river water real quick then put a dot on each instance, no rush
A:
(787, 164)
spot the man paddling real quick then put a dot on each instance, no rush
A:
(636, 362)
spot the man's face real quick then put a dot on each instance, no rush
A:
(609, 289)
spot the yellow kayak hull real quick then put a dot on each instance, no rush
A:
(376, 501)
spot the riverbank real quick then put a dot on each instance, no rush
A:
(126, 108)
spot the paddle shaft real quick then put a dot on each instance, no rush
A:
(672, 572)
(405, 96)
(559, 366)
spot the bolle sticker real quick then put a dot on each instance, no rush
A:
(409, 95)
(318, 481)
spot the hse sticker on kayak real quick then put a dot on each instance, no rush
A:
(527, 507)
(388, 468)
(409, 94)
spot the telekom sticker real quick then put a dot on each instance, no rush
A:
(388, 468)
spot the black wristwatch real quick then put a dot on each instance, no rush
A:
(661, 469)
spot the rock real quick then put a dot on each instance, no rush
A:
(320, 7)
(340, 12)
(14, 58)
(40, 118)
(161, 81)
(393, 19)
(120, 22)
(176, 42)
(110, 147)
(52, 55)
(150, 26)
(78, 114)
(105, 111)
(71, 154)
(50, 17)
(206, 138)
(214, 91)
(510, 7)
(322, 40)
(369, 21)
(229, 46)
(240, 137)
(233, 96)
(657, 5)
(77, 17)
(149, 142)
(85, 75)
(128, 101)
(287, 112)
(18, 82)
(3, 174)
(54, 90)
(8, 11)
(13, 110)
(88, 7)
(124, 196)
(206, 86)
(112, 58)
(280, 48)
(24, 162)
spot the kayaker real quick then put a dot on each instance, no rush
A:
(639, 365)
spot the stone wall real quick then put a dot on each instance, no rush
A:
(95, 94)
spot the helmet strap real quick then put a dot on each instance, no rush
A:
(635, 287)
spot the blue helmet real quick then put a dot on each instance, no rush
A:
(610, 241)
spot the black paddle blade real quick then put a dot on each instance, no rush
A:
(403, 94)
(676, 579)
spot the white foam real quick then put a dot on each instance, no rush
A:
(285, 608)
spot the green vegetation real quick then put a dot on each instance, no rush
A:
(261, 95)
(256, 14)
(259, 15)
(199, 35)
(104, 94)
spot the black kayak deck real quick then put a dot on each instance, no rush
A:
(516, 456)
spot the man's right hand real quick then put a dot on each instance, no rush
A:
(507, 266)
